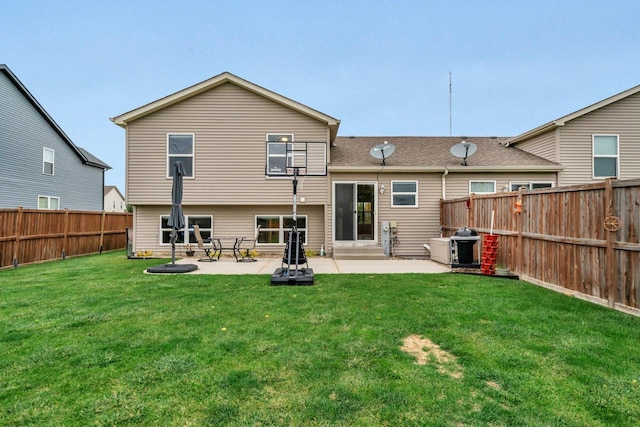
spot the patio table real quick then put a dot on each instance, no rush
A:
(228, 243)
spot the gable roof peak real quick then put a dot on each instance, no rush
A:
(225, 77)
(579, 113)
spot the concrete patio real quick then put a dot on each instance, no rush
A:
(320, 265)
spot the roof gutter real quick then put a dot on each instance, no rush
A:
(534, 132)
(449, 169)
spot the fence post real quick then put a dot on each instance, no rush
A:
(101, 232)
(610, 259)
(471, 210)
(519, 223)
(66, 233)
(16, 243)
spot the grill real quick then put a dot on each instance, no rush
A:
(462, 243)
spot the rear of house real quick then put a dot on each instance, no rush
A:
(228, 133)
(234, 138)
(404, 193)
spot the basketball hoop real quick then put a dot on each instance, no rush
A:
(291, 171)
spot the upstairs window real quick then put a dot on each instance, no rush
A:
(605, 156)
(180, 147)
(280, 154)
(482, 187)
(48, 156)
(404, 193)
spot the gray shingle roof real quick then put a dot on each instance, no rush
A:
(433, 152)
(93, 160)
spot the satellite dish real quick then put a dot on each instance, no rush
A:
(382, 151)
(464, 150)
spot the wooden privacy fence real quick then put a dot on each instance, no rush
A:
(581, 240)
(31, 235)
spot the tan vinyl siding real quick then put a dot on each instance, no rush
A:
(227, 221)
(619, 118)
(458, 183)
(415, 224)
(542, 145)
(230, 126)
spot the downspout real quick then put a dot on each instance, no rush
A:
(444, 197)
(444, 183)
(103, 172)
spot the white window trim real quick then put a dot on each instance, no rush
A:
(268, 142)
(393, 205)
(482, 181)
(528, 184)
(192, 155)
(53, 160)
(281, 229)
(49, 198)
(593, 155)
(184, 232)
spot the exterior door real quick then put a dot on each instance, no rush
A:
(354, 212)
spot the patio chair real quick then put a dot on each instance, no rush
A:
(246, 246)
(209, 251)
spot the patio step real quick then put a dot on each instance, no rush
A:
(358, 252)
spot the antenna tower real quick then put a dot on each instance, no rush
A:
(450, 113)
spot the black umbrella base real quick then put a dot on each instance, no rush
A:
(172, 268)
(292, 277)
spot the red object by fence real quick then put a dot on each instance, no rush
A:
(489, 254)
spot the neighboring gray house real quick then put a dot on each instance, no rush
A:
(41, 167)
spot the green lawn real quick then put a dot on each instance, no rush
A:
(94, 341)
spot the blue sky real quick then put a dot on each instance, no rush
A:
(381, 67)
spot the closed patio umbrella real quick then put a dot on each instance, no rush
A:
(176, 216)
(176, 222)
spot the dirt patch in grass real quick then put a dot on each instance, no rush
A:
(426, 351)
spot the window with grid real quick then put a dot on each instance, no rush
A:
(280, 153)
(205, 222)
(274, 229)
